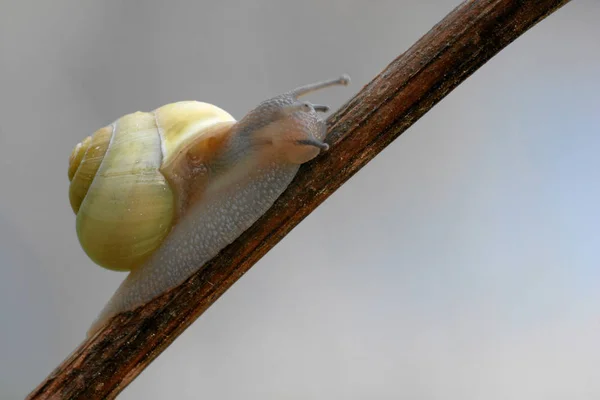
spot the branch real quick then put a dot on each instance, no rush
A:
(103, 365)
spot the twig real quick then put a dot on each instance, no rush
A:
(402, 93)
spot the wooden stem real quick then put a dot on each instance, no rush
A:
(103, 365)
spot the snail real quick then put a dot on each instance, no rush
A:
(160, 193)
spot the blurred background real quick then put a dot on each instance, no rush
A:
(462, 263)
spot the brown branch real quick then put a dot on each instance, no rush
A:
(410, 86)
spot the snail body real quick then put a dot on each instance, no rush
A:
(160, 193)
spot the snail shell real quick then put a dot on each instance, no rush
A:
(120, 189)
(161, 193)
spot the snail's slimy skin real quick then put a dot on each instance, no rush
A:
(208, 227)
(223, 178)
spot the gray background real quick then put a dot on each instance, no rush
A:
(462, 263)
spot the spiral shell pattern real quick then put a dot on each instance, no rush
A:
(125, 206)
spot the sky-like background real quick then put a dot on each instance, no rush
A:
(462, 263)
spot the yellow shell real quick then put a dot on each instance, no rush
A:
(124, 204)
